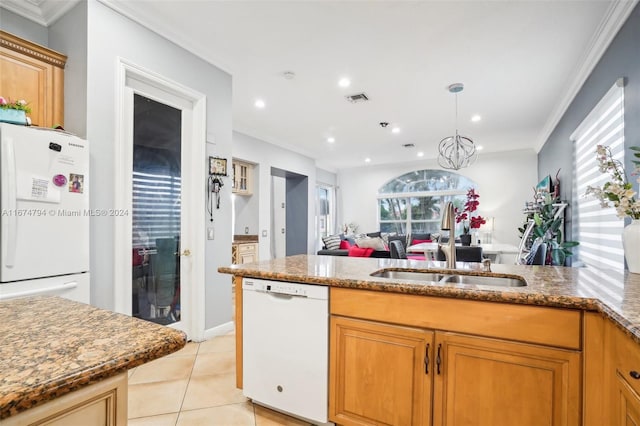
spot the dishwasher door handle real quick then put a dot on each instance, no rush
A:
(284, 296)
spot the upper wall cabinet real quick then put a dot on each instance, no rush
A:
(36, 74)
(242, 178)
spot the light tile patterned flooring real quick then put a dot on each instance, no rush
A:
(196, 386)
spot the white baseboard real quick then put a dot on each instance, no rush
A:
(219, 330)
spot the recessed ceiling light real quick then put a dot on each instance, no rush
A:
(395, 130)
(344, 82)
(479, 147)
(331, 139)
(367, 160)
(420, 154)
(259, 103)
(476, 118)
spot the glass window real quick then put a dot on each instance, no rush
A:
(413, 202)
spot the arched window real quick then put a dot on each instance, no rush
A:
(412, 203)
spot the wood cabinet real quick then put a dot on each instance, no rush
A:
(244, 253)
(36, 74)
(402, 360)
(379, 373)
(484, 381)
(101, 404)
(242, 174)
(623, 374)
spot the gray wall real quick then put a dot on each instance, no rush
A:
(111, 36)
(297, 212)
(95, 37)
(24, 28)
(74, 45)
(622, 59)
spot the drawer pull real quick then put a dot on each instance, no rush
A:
(634, 374)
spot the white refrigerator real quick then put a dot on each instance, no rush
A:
(45, 214)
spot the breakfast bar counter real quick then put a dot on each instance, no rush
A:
(571, 336)
(616, 294)
(52, 347)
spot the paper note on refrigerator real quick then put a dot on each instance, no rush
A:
(36, 188)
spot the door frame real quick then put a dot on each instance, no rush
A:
(193, 229)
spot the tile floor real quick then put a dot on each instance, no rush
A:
(195, 386)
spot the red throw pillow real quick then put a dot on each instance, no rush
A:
(413, 242)
(344, 245)
(355, 251)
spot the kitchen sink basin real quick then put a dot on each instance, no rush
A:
(482, 280)
(410, 275)
(435, 277)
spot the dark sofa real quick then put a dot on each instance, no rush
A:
(344, 252)
(376, 253)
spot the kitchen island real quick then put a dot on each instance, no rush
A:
(565, 347)
(65, 359)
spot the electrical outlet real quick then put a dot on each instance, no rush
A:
(210, 233)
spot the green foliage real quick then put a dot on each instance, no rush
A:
(549, 230)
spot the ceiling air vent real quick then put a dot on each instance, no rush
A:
(358, 97)
(408, 145)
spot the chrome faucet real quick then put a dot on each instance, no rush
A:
(449, 224)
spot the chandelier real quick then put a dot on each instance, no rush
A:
(456, 152)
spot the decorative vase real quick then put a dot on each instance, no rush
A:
(14, 116)
(465, 239)
(631, 244)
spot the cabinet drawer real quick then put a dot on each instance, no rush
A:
(626, 357)
(246, 248)
(532, 324)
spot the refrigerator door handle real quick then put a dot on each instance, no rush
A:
(9, 176)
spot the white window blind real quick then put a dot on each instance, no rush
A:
(598, 230)
(156, 208)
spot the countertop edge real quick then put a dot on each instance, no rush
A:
(13, 404)
(567, 302)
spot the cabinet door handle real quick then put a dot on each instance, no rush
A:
(426, 360)
(438, 360)
(634, 374)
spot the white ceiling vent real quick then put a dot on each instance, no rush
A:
(358, 97)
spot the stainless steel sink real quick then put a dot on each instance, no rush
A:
(482, 280)
(410, 275)
(435, 277)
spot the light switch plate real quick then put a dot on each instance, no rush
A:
(264, 232)
(210, 233)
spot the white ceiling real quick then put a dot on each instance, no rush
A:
(521, 63)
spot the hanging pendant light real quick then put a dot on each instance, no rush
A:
(456, 152)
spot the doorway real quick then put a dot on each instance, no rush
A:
(162, 137)
(289, 213)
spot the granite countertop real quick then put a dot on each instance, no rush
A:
(52, 346)
(244, 238)
(616, 294)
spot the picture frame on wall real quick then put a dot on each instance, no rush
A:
(217, 166)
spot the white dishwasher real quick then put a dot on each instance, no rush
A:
(285, 334)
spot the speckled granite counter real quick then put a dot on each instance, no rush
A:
(244, 238)
(615, 294)
(52, 346)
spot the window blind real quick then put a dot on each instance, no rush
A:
(598, 229)
(156, 208)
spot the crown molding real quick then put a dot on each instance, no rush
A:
(43, 12)
(616, 16)
(25, 47)
(126, 9)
